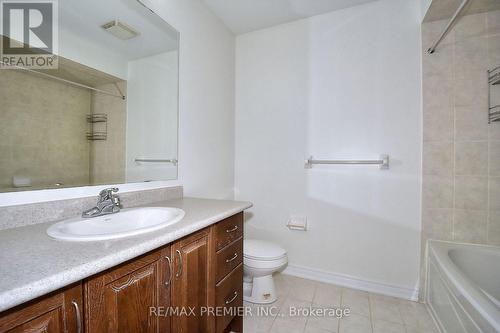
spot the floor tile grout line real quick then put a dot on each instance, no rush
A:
(341, 305)
(370, 310)
(312, 302)
(284, 301)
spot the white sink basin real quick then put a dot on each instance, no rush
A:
(128, 222)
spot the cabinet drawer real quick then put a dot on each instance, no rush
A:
(228, 230)
(229, 293)
(228, 258)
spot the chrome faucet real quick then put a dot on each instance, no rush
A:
(107, 203)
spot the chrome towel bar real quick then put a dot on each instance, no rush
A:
(383, 162)
(152, 160)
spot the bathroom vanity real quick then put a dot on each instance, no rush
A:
(193, 267)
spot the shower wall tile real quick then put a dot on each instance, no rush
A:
(441, 65)
(432, 30)
(494, 153)
(471, 56)
(494, 228)
(438, 158)
(108, 156)
(471, 192)
(437, 224)
(437, 91)
(494, 193)
(471, 123)
(471, 158)
(470, 26)
(437, 192)
(470, 226)
(438, 124)
(470, 89)
(483, 6)
(461, 151)
(38, 113)
(493, 51)
(493, 22)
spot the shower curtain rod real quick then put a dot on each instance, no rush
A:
(67, 81)
(448, 27)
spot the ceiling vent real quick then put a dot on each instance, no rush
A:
(120, 30)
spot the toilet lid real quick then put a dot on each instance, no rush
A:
(262, 250)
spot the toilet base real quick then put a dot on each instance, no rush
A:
(259, 290)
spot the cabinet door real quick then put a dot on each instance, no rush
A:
(55, 313)
(192, 286)
(130, 298)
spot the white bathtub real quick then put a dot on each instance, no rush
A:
(463, 287)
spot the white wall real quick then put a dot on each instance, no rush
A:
(152, 116)
(341, 85)
(206, 133)
(206, 105)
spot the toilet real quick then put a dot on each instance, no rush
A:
(260, 260)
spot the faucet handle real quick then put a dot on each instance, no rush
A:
(107, 193)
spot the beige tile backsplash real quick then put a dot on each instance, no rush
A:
(461, 151)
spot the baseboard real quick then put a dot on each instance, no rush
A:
(351, 282)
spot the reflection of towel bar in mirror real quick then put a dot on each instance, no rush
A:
(383, 162)
(152, 160)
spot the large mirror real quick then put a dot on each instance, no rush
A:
(107, 113)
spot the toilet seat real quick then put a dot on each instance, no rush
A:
(259, 250)
(265, 264)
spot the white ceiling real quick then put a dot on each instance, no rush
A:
(85, 18)
(248, 15)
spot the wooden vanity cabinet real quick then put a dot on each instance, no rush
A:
(58, 312)
(163, 291)
(192, 283)
(128, 298)
(199, 271)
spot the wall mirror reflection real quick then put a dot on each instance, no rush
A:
(107, 115)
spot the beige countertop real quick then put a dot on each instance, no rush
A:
(32, 264)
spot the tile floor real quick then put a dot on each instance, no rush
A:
(370, 313)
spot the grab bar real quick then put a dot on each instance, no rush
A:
(152, 160)
(383, 162)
